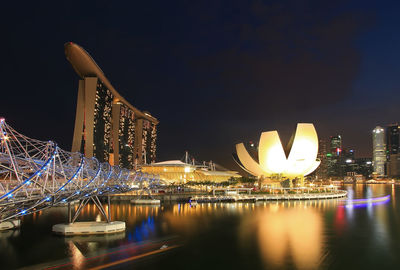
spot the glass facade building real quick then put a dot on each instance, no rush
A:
(322, 170)
(333, 160)
(378, 150)
(392, 140)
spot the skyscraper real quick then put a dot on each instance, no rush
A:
(334, 156)
(322, 170)
(364, 166)
(106, 125)
(378, 150)
(392, 140)
(336, 145)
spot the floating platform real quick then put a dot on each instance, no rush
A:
(90, 227)
(141, 201)
(10, 224)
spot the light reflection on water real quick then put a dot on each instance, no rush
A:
(284, 232)
(267, 235)
(76, 255)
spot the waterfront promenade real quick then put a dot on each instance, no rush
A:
(204, 197)
(270, 197)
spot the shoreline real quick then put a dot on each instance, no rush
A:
(187, 198)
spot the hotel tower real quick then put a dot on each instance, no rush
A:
(106, 125)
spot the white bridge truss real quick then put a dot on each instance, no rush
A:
(35, 175)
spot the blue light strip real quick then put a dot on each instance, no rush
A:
(126, 179)
(96, 175)
(119, 175)
(28, 181)
(108, 176)
(73, 177)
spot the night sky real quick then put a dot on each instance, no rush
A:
(214, 73)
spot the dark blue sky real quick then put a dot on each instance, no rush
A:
(214, 73)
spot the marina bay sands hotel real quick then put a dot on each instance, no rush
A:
(106, 125)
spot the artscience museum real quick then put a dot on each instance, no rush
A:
(274, 164)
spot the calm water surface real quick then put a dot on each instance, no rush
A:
(323, 234)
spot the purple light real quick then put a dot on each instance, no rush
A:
(369, 200)
(358, 203)
(365, 204)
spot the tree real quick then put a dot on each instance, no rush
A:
(247, 180)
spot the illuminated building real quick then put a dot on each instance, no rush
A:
(322, 170)
(378, 150)
(364, 166)
(336, 145)
(334, 157)
(348, 162)
(106, 125)
(272, 160)
(392, 140)
(393, 166)
(392, 151)
(176, 171)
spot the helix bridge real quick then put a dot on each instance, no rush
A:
(35, 175)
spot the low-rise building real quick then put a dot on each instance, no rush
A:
(178, 172)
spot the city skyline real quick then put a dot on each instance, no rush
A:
(202, 106)
(286, 114)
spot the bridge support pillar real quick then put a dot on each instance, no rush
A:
(109, 207)
(69, 213)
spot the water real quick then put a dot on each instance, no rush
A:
(269, 235)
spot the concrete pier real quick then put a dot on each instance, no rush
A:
(10, 224)
(90, 227)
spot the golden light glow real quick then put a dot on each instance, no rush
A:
(282, 231)
(301, 161)
(77, 258)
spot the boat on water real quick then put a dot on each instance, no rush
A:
(193, 203)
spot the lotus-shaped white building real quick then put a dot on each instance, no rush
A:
(301, 160)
